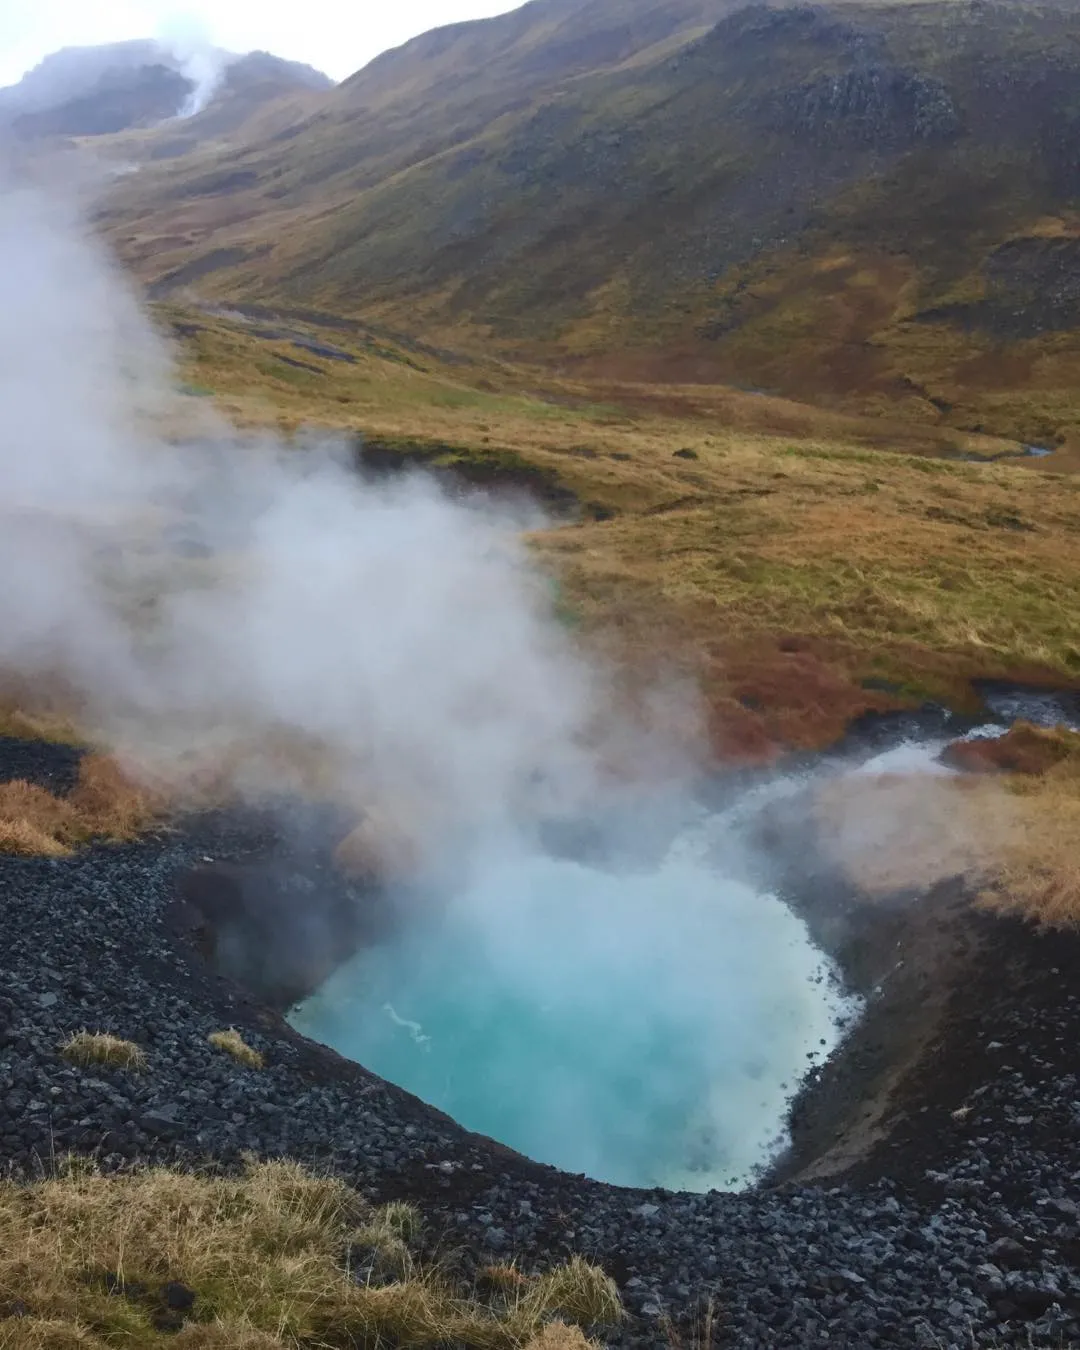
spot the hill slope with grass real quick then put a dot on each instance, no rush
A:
(868, 205)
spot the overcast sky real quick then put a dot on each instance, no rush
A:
(338, 36)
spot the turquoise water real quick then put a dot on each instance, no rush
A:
(642, 1028)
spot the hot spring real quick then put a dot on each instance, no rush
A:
(645, 1026)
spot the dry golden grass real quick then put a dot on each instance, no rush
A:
(16, 721)
(108, 803)
(559, 1336)
(1037, 866)
(907, 832)
(232, 1043)
(504, 1277)
(33, 821)
(737, 522)
(104, 804)
(87, 1048)
(267, 1258)
(1014, 837)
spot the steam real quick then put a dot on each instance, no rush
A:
(219, 595)
(646, 1026)
(233, 609)
(199, 60)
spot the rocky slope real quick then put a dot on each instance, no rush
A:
(958, 1228)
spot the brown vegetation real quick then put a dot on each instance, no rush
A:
(1025, 749)
(803, 565)
(1037, 865)
(232, 1043)
(105, 804)
(259, 1263)
(87, 1048)
(1013, 836)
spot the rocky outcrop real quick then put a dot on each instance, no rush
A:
(1032, 286)
(874, 104)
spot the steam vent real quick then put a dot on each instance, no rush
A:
(540, 676)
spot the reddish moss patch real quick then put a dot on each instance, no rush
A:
(1025, 749)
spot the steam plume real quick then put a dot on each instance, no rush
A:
(232, 604)
(216, 594)
(199, 59)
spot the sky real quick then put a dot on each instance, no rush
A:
(337, 36)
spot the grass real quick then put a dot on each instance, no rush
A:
(1036, 871)
(1013, 836)
(104, 805)
(89, 1048)
(703, 1332)
(43, 725)
(795, 581)
(232, 1043)
(863, 539)
(268, 1260)
(802, 568)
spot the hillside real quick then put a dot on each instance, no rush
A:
(863, 204)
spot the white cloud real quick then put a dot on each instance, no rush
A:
(338, 36)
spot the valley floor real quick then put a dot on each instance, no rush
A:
(802, 565)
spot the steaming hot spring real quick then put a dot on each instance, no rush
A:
(644, 1021)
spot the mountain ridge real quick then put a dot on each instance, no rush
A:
(140, 84)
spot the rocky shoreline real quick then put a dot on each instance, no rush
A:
(958, 1225)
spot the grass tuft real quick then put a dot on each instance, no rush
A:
(385, 1241)
(105, 804)
(266, 1256)
(87, 1048)
(232, 1043)
(578, 1291)
(503, 1278)
(559, 1336)
(33, 823)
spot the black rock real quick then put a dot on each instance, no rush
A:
(1011, 1255)
(178, 1296)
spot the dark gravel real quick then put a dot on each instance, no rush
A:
(53, 767)
(962, 1228)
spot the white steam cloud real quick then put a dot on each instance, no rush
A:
(199, 59)
(215, 592)
(225, 603)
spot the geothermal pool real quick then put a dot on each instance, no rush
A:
(645, 1027)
